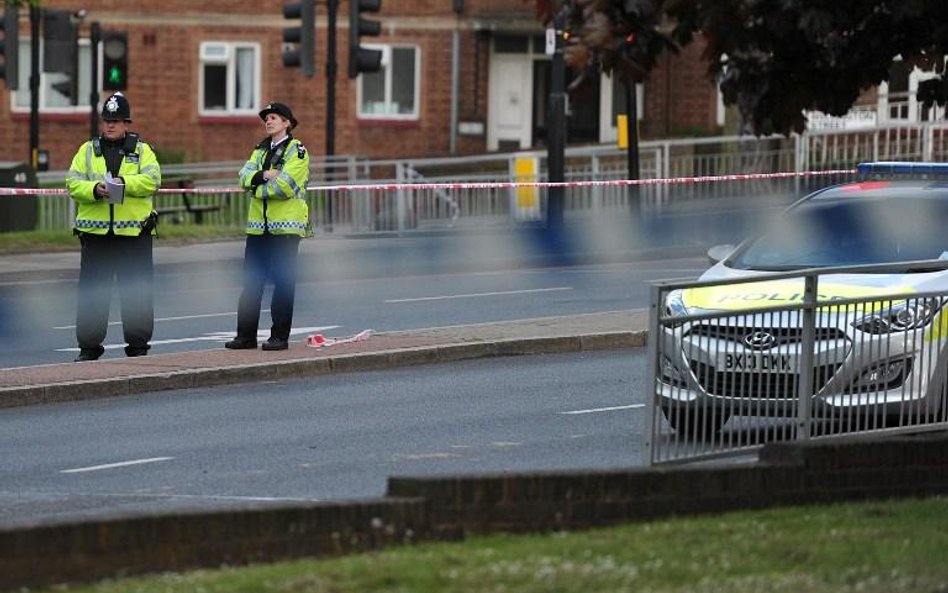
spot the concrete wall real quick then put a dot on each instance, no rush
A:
(450, 507)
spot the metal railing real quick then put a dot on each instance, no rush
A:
(793, 356)
(413, 208)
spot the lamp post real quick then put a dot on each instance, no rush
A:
(556, 128)
(95, 34)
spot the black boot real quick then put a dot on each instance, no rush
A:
(241, 343)
(275, 344)
(88, 354)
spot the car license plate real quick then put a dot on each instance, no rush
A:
(756, 362)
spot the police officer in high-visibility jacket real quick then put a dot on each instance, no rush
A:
(113, 178)
(276, 175)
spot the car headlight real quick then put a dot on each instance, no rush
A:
(904, 316)
(675, 304)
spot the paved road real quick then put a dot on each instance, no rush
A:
(431, 282)
(591, 314)
(323, 438)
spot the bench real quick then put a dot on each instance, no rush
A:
(197, 210)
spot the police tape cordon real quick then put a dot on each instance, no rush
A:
(24, 191)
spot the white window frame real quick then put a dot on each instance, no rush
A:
(386, 61)
(229, 59)
(84, 67)
(608, 127)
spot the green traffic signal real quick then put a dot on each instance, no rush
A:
(115, 75)
(115, 56)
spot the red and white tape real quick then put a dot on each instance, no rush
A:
(486, 185)
(321, 341)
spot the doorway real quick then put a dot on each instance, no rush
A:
(582, 113)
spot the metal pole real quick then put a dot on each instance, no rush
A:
(556, 128)
(34, 85)
(331, 68)
(807, 356)
(455, 74)
(455, 79)
(95, 35)
(632, 113)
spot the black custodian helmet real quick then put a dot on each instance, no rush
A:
(281, 110)
(116, 108)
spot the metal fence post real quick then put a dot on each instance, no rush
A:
(927, 143)
(654, 334)
(402, 172)
(805, 387)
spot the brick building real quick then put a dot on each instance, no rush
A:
(452, 83)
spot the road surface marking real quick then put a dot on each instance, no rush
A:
(93, 468)
(211, 337)
(609, 409)
(423, 456)
(210, 497)
(479, 294)
(179, 318)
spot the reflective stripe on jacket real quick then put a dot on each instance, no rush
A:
(142, 176)
(278, 206)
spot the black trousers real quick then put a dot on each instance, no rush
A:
(268, 258)
(106, 259)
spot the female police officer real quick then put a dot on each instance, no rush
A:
(276, 174)
(115, 232)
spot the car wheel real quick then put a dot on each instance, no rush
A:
(695, 423)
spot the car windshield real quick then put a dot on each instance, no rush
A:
(851, 230)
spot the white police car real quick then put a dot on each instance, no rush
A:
(874, 362)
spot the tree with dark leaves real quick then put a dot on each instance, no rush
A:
(773, 59)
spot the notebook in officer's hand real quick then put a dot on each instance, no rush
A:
(116, 188)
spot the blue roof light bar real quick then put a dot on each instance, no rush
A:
(898, 168)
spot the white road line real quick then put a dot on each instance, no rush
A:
(609, 409)
(93, 468)
(209, 497)
(479, 294)
(180, 318)
(162, 495)
(211, 337)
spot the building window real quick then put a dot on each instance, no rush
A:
(392, 92)
(513, 44)
(230, 78)
(50, 100)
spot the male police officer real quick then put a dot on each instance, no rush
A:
(112, 179)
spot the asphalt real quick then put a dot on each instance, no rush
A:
(42, 384)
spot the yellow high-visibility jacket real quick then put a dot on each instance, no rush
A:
(142, 176)
(278, 206)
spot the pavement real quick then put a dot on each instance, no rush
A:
(49, 383)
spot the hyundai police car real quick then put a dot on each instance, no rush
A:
(875, 354)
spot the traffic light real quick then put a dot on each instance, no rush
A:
(114, 60)
(304, 36)
(362, 59)
(10, 47)
(61, 51)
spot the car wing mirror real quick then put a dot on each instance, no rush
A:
(719, 252)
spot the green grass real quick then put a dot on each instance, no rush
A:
(867, 548)
(27, 241)
(168, 234)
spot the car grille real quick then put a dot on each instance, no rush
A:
(757, 385)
